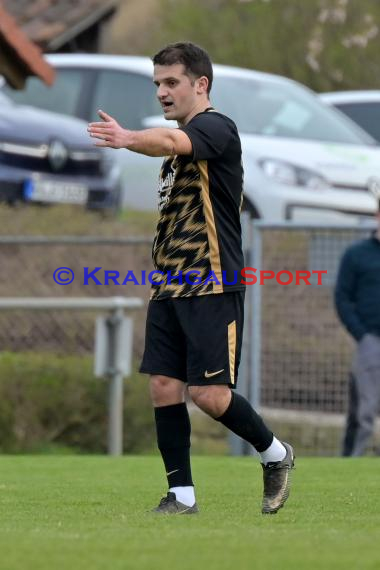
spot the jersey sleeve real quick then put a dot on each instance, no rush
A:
(210, 134)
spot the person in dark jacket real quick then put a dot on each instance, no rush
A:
(357, 301)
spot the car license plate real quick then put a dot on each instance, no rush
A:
(55, 191)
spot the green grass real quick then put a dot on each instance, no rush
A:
(91, 512)
(60, 219)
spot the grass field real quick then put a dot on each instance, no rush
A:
(65, 512)
(65, 219)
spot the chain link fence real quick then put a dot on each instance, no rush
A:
(49, 396)
(298, 355)
(28, 269)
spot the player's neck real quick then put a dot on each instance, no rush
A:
(199, 108)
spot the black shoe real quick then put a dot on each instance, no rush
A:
(170, 506)
(276, 477)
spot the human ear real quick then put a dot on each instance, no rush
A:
(202, 84)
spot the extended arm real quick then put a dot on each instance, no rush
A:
(152, 142)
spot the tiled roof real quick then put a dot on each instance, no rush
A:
(53, 23)
(19, 57)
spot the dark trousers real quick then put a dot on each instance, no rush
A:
(364, 396)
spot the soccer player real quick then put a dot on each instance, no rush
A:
(357, 300)
(195, 315)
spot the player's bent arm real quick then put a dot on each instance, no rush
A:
(152, 142)
(159, 142)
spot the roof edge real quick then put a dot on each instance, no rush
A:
(28, 54)
(106, 10)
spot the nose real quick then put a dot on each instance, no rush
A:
(161, 91)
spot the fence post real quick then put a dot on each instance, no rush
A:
(120, 351)
(237, 445)
(255, 336)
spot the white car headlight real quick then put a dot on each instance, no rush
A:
(292, 175)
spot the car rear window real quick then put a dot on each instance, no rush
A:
(367, 115)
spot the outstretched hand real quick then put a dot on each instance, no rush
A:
(109, 132)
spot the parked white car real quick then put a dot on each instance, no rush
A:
(363, 107)
(303, 161)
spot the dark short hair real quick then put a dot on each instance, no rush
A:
(195, 59)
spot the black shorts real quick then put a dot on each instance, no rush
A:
(195, 339)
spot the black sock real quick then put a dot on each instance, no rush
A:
(242, 419)
(173, 439)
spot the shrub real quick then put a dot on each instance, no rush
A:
(50, 402)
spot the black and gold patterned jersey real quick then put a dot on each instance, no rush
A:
(197, 248)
